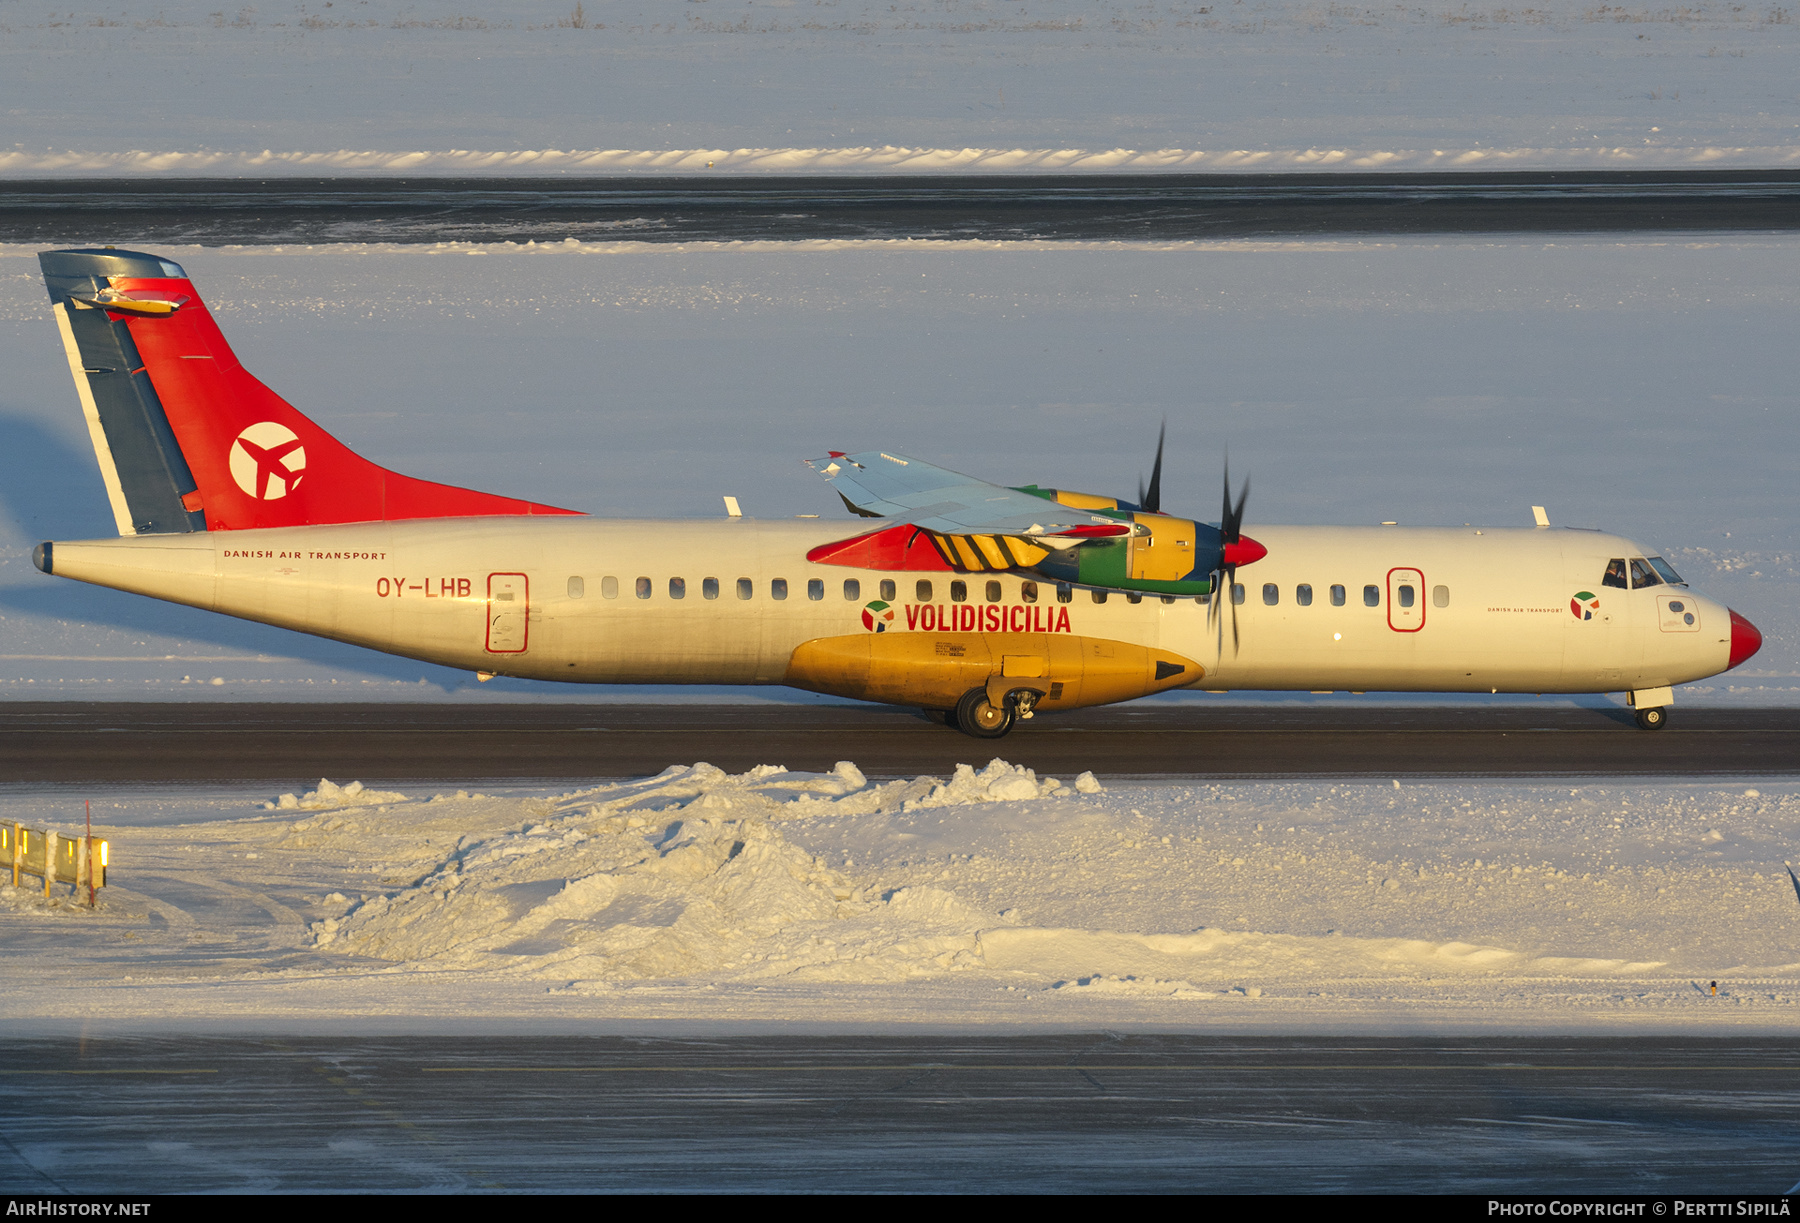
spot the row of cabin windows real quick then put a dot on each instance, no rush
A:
(924, 590)
(1404, 595)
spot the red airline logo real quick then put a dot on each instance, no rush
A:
(267, 461)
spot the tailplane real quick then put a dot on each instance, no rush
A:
(188, 439)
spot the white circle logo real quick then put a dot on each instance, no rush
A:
(267, 460)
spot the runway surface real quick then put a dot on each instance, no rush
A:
(301, 743)
(1041, 1113)
(694, 208)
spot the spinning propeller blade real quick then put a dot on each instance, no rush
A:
(1237, 551)
(1150, 499)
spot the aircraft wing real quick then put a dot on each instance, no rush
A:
(908, 490)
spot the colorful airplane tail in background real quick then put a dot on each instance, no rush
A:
(188, 439)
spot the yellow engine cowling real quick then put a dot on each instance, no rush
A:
(934, 670)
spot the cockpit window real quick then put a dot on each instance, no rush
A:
(1668, 575)
(1642, 574)
(1615, 574)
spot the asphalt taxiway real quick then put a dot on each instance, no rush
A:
(698, 208)
(1057, 1113)
(103, 742)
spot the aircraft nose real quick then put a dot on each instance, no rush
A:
(1247, 551)
(1745, 640)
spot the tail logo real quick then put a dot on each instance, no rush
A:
(267, 461)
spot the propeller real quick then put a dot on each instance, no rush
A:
(1237, 551)
(1150, 499)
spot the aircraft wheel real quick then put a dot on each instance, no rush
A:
(974, 716)
(1653, 719)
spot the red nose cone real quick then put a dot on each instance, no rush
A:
(1247, 551)
(1745, 640)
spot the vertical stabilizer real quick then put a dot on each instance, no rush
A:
(188, 439)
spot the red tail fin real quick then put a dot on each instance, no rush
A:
(255, 459)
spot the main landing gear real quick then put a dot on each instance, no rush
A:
(1653, 719)
(977, 716)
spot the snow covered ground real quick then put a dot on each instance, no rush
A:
(333, 87)
(994, 897)
(1644, 384)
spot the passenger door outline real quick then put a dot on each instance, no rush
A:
(1406, 619)
(508, 613)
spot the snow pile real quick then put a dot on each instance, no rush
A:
(330, 796)
(686, 873)
(999, 782)
(769, 874)
(884, 159)
(701, 894)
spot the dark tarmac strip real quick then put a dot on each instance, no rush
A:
(695, 208)
(1015, 1114)
(301, 743)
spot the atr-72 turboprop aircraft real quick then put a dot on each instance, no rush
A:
(982, 603)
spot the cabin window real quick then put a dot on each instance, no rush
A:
(1371, 596)
(1407, 595)
(1167, 599)
(1237, 593)
(1099, 595)
(577, 588)
(1440, 596)
(993, 592)
(852, 589)
(815, 589)
(1615, 574)
(887, 589)
(1271, 594)
(709, 588)
(1668, 575)
(1642, 574)
(1133, 597)
(959, 591)
(678, 588)
(1303, 595)
(746, 588)
(923, 590)
(609, 588)
(1065, 593)
(778, 588)
(1028, 591)
(643, 588)
(1337, 596)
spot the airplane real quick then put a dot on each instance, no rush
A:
(980, 604)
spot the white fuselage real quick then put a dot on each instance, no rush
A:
(591, 600)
